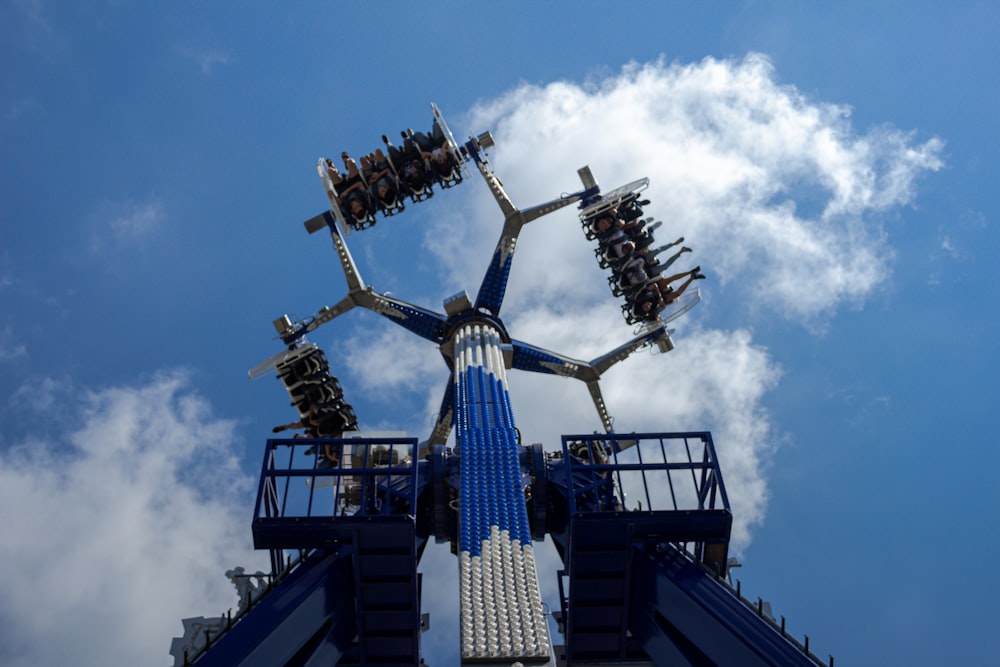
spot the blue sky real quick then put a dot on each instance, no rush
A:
(834, 167)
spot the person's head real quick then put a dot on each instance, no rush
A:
(357, 206)
(603, 223)
(440, 162)
(386, 193)
(413, 175)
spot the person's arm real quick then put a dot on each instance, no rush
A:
(285, 427)
(357, 184)
(373, 179)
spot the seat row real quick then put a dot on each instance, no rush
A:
(625, 247)
(386, 178)
(316, 395)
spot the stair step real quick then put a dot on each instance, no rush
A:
(600, 562)
(597, 618)
(389, 648)
(597, 591)
(377, 564)
(389, 622)
(602, 644)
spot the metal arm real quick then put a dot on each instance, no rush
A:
(445, 420)
(494, 285)
(530, 358)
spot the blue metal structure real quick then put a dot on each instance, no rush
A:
(641, 521)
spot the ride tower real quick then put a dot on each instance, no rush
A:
(641, 521)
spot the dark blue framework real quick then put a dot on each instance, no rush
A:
(703, 465)
(613, 510)
(644, 542)
(642, 522)
(288, 515)
(348, 505)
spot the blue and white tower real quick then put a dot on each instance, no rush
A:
(501, 604)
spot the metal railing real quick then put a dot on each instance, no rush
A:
(312, 490)
(643, 471)
(339, 477)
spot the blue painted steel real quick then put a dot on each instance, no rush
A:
(490, 466)
(301, 504)
(307, 611)
(365, 514)
(425, 323)
(590, 196)
(702, 464)
(471, 150)
(599, 593)
(535, 359)
(682, 615)
(624, 495)
(494, 285)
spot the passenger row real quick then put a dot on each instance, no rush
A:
(383, 182)
(625, 243)
(318, 398)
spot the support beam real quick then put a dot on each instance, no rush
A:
(306, 614)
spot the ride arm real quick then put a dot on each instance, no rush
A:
(494, 285)
(354, 280)
(445, 418)
(535, 359)
(424, 323)
(538, 360)
(594, 387)
(657, 335)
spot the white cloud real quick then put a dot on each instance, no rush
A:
(125, 223)
(413, 359)
(137, 219)
(207, 59)
(43, 395)
(9, 349)
(779, 195)
(949, 248)
(119, 528)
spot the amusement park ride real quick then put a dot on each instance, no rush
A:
(641, 521)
